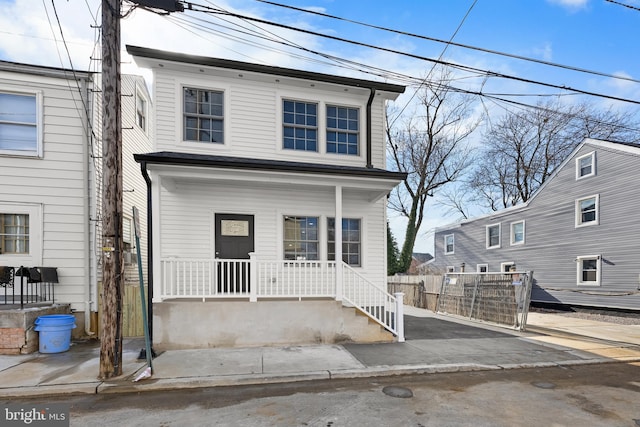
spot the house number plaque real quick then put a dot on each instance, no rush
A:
(234, 228)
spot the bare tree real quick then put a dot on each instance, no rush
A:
(431, 148)
(522, 149)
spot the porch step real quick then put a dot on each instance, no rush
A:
(358, 324)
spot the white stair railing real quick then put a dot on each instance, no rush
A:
(375, 302)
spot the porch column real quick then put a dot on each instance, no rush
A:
(158, 278)
(253, 277)
(338, 242)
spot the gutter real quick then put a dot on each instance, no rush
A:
(369, 102)
(147, 179)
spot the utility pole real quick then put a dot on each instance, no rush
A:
(112, 259)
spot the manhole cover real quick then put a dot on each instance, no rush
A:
(395, 391)
(547, 386)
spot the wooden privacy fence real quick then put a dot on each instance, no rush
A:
(419, 291)
(132, 325)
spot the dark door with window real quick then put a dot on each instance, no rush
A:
(234, 242)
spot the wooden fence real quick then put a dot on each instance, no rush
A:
(419, 291)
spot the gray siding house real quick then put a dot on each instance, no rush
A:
(579, 233)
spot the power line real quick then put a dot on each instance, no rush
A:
(465, 46)
(615, 2)
(489, 73)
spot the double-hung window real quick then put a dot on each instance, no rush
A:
(351, 243)
(517, 233)
(20, 132)
(586, 165)
(449, 247)
(588, 270)
(203, 115)
(141, 112)
(587, 211)
(493, 236)
(300, 121)
(300, 238)
(342, 130)
(14, 233)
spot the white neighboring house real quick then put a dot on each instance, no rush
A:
(260, 179)
(579, 232)
(50, 162)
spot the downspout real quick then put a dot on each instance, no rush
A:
(147, 179)
(369, 102)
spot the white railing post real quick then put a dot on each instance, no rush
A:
(338, 242)
(400, 315)
(253, 277)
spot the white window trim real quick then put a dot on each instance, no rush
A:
(139, 95)
(499, 235)
(453, 244)
(34, 257)
(578, 213)
(593, 165)
(579, 260)
(505, 264)
(359, 266)
(361, 122)
(179, 128)
(478, 266)
(39, 151)
(451, 269)
(513, 242)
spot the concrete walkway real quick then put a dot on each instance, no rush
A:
(434, 344)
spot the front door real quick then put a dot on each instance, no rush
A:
(234, 242)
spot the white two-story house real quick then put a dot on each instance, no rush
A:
(268, 203)
(50, 192)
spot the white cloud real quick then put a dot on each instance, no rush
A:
(572, 5)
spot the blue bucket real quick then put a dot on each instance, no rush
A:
(55, 332)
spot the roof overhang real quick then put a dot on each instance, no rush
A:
(175, 167)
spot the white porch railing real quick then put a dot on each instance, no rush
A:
(253, 279)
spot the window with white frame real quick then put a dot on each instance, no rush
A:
(493, 236)
(517, 233)
(451, 269)
(20, 234)
(506, 267)
(482, 268)
(14, 233)
(449, 244)
(20, 124)
(588, 270)
(203, 115)
(343, 130)
(301, 238)
(587, 211)
(351, 243)
(141, 111)
(586, 165)
(300, 121)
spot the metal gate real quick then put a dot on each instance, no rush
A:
(500, 298)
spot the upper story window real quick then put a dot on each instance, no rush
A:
(588, 270)
(587, 211)
(300, 121)
(493, 236)
(14, 233)
(342, 130)
(20, 124)
(351, 247)
(141, 112)
(300, 238)
(586, 165)
(517, 233)
(203, 115)
(449, 244)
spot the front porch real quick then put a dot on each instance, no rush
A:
(223, 302)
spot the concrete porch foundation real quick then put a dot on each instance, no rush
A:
(197, 324)
(16, 327)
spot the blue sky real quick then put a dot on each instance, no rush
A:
(596, 35)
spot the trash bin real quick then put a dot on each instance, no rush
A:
(55, 332)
